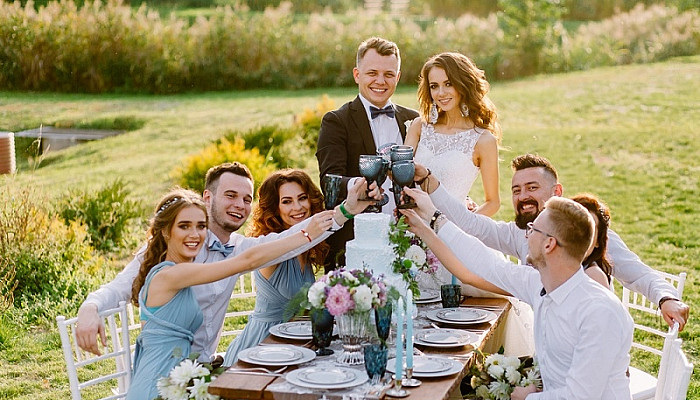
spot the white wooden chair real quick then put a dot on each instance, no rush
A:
(242, 290)
(99, 374)
(675, 377)
(643, 385)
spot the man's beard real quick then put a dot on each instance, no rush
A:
(521, 220)
(226, 225)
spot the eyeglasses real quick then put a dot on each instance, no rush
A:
(530, 229)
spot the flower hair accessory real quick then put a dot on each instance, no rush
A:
(168, 204)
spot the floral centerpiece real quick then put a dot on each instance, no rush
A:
(495, 376)
(342, 291)
(412, 255)
(188, 380)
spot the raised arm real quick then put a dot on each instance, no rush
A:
(169, 281)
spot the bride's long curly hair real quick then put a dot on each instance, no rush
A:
(471, 84)
(266, 216)
(160, 226)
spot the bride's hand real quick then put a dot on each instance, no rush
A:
(424, 206)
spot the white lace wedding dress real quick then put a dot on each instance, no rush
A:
(450, 158)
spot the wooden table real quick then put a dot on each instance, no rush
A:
(232, 386)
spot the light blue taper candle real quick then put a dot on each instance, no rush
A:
(409, 329)
(454, 280)
(399, 340)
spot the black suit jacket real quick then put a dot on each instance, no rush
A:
(346, 134)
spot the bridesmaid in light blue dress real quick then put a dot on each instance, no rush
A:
(286, 198)
(169, 311)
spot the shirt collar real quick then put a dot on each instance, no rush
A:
(560, 294)
(367, 105)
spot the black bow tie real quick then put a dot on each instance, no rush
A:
(388, 111)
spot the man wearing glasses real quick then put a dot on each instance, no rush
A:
(535, 181)
(583, 334)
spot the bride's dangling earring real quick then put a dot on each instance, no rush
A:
(465, 110)
(433, 114)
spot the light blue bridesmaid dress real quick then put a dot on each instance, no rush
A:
(165, 338)
(271, 299)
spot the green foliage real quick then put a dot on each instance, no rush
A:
(106, 213)
(112, 47)
(117, 123)
(53, 263)
(282, 146)
(194, 168)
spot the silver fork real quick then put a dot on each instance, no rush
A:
(277, 371)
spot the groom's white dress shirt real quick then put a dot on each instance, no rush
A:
(213, 297)
(509, 239)
(582, 333)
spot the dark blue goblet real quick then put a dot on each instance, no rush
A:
(386, 166)
(322, 331)
(375, 361)
(382, 317)
(402, 173)
(370, 168)
(331, 190)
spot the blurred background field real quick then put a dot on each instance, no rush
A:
(624, 128)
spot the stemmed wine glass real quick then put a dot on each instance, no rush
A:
(386, 166)
(331, 190)
(402, 173)
(370, 168)
(322, 331)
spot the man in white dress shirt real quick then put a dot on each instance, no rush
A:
(582, 332)
(228, 195)
(535, 181)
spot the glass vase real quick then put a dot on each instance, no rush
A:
(352, 328)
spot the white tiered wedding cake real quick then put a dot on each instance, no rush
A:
(372, 249)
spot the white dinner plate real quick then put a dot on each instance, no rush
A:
(276, 355)
(300, 330)
(445, 365)
(444, 337)
(326, 376)
(336, 377)
(428, 294)
(460, 316)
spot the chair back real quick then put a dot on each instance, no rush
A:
(645, 312)
(107, 375)
(674, 373)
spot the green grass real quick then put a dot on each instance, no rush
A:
(628, 134)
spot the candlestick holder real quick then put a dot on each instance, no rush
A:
(396, 391)
(409, 380)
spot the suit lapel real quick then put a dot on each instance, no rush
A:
(358, 115)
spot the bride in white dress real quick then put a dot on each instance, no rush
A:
(456, 138)
(457, 135)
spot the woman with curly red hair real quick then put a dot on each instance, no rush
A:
(286, 198)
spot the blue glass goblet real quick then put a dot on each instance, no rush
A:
(376, 356)
(402, 173)
(322, 331)
(382, 316)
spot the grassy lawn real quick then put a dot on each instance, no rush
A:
(628, 134)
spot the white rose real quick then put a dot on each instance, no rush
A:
(363, 298)
(316, 293)
(416, 254)
(349, 277)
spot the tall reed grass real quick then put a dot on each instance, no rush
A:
(109, 47)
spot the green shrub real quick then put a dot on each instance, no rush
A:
(54, 264)
(106, 213)
(194, 168)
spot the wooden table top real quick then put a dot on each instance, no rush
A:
(235, 386)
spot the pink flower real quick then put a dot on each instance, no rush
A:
(432, 261)
(339, 300)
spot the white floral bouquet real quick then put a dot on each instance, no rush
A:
(412, 255)
(188, 380)
(494, 376)
(341, 291)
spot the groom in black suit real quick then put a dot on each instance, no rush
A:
(362, 125)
